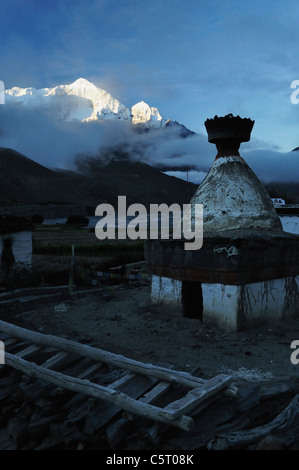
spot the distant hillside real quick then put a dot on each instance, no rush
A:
(287, 191)
(138, 181)
(23, 181)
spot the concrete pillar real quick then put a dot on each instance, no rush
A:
(165, 290)
(233, 308)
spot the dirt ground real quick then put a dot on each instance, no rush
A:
(123, 320)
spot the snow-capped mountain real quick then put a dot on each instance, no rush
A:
(79, 100)
(143, 114)
(84, 101)
(183, 130)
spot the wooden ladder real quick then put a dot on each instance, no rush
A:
(166, 395)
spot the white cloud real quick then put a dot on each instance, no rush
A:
(58, 144)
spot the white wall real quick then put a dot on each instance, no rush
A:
(166, 290)
(234, 307)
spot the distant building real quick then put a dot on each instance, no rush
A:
(277, 201)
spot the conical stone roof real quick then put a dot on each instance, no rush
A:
(232, 195)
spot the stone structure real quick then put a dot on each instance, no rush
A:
(247, 271)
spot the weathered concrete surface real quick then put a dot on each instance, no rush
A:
(165, 290)
(235, 308)
(233, 197)
(231, 307)
(232, 257)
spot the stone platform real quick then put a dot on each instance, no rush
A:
(236, 280)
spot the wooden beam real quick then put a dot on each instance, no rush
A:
(55, 359)
(89, 371)
(287, 420)
(97, 391)
(156, 392)
(196, 396)
(161, 373)
(27, 351)
(123, 380)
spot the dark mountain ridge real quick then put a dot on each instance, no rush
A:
(25, 182)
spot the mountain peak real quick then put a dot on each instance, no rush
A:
(142, 113)
(82, 81)
(85, 101)
(183, 130)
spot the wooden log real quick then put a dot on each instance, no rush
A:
(161, 373)
(271, 391)
(79, 366)
(78, 414)
(36, 389)
(11, 391)
(17, 431)
(9, 378)
(288, 419)
(40, 426)
(103, 412)
(154, 434)
(107, 376)
(56, 358)
(31, 301)
(32, 291)
(74, 402)
(156, 392)
(89, 371)
(248, 398)
(195, 396)
(64, 433)
(15, 346)
(151, 396)
(98, 391)
(122, 381)
(9, 341)
(7, 412)
(117, 431)
(28, 351)
(136, 443)
(26, 410)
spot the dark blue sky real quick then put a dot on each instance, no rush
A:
(191, 59)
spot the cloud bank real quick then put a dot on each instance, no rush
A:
(58, 144)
